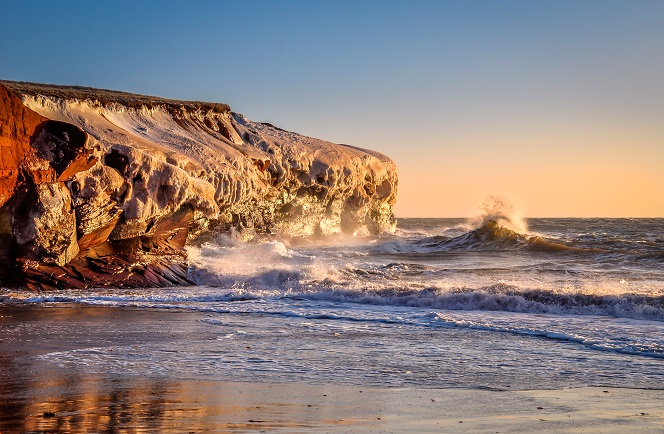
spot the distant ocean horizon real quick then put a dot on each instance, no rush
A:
(540, 217)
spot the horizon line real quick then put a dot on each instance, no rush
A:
(568, 217)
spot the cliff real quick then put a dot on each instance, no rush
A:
(105, 188)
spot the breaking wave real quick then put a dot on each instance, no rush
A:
(486, 268)
(490, 236)
(495, 309)
(494, 298)
(500, 211)
(505, 298)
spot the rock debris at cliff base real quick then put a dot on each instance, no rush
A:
(105, 188)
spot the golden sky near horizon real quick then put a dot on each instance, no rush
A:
(591, 172)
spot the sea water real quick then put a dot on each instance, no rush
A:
(494, 303)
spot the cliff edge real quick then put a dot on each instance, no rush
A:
(105, 188)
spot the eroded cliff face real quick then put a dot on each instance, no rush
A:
(36, 210)
(90, 178)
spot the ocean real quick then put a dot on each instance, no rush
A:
(495, 303)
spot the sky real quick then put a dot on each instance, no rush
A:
(556, 105)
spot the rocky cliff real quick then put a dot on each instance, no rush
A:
(105, 188)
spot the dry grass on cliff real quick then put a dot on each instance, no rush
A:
(105, 96)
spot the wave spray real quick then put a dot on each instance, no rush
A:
(500, 210)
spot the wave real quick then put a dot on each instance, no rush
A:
(624, 242)
(615, 345)
(270, 287)
(490, 236)
(504, 298)
(493, 236)
(499, 210)
(367, 273)
(429, 271)
(499, 226)
(483, 309)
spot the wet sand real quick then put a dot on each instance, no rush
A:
(38, 395)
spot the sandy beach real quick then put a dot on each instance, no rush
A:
(38, 395)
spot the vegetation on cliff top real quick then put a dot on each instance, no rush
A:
(105, 96)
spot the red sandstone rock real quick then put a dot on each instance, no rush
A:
(17, 125)
(39, 244)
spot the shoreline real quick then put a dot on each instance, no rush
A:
(38, 395)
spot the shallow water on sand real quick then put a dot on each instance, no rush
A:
(119, 384)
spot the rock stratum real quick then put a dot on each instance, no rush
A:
(103, 188)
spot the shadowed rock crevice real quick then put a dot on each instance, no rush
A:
(117, 161)
(61, 144)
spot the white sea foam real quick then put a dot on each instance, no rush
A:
(501, 210)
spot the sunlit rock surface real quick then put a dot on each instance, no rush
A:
(105, 188)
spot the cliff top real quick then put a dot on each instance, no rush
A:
(105, 96)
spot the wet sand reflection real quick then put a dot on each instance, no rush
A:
(40, 396)
(78, 404)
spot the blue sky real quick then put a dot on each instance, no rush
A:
(558, 105)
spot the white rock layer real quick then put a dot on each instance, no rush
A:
(234, 173)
